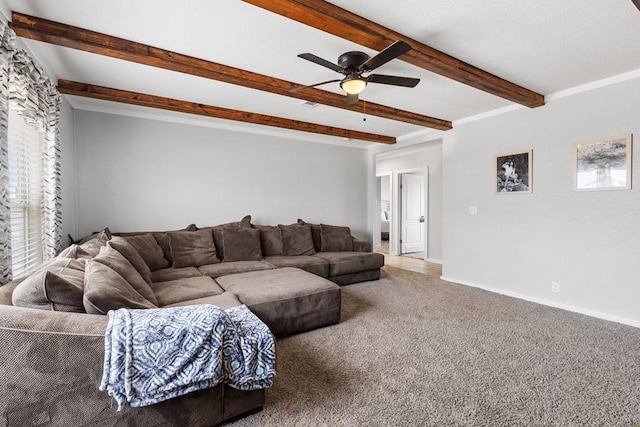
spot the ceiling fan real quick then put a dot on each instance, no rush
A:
(354, 64)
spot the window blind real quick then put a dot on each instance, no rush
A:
(25, 192)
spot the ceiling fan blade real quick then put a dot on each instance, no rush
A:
(317, 60)
(352, 99)
(391, 52)
(313, 85)
(393, 80)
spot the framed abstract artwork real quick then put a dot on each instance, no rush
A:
(513, 172)
(603, 164)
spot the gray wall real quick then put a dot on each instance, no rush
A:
(427, 155)
(589, 242)
(141, 174)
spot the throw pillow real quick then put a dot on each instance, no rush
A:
(75, 251)
(270, 239)
(296, 240)
(59, 287)
(148, 248)
(129, 252)
(242, 244)
(217, 232)
(164, 241)
(336, 239)
(105, 289)
(316, 234)
(117, 262)
(93, 245)
(192, 248)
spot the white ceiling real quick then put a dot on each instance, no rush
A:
(546, 46)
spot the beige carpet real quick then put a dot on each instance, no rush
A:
(412, 350)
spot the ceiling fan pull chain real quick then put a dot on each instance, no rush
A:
(364, 103)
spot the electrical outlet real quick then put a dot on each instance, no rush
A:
(473, 210)
(555, 287)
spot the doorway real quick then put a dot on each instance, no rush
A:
(384, 214)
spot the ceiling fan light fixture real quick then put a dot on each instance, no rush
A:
(353, 85)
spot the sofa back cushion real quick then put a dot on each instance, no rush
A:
(58, 287)
(105, 289)
(116, 261)
(241, 244)
(149, 249)
(316, 234)
(192, 248)
(296, 240)
(335, 238)
(217, 232)
(129, 252)
(76, 251)
(270, 239)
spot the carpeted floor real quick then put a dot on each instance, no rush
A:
(412, 350)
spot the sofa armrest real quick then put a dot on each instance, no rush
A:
(52, 366)
(361, 245)
(51, 361)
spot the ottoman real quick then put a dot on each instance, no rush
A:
(288, 300)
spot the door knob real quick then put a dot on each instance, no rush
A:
(422, 218)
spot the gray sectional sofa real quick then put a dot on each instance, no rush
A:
(52, 322)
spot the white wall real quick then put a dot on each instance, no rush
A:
(141, 174)
(425, 155)
(589, 242)
(68, 177)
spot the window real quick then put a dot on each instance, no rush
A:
(25, 153)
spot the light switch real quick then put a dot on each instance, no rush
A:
(473, 210)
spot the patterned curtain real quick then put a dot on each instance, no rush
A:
(36, 98)
(7, 37)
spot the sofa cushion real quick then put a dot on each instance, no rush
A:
(241, 244)
(129, 252)
(288, 300)
(105, 289)
(311, 264)
(171, 273)
(270, 239)
(351, 262)
(91, 246)
(217, 270)
(165, 242)
(225, 301)
(149, 249)
(75, 251)
(335, 239)
(192, 248)
(185, 289)
(58, 287)
(316, 234)
(117, 262)
(217, 232)
(296, 240)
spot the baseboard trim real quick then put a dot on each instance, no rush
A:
(568, 307)
(434, 260)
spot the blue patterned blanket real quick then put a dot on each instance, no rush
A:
(155, 354)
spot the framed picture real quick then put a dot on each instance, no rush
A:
(603, 164)
(513, 172)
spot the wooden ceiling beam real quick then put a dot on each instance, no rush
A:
(342, 23)
(102, 44)
(637, 3)
(123, 96)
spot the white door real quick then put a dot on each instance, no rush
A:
(412, 214)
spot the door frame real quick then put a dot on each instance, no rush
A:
(377, 227)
